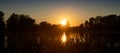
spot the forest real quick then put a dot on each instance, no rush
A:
(20, 34)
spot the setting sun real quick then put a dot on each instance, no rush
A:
(64, 22)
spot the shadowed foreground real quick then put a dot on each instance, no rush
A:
(20, 34)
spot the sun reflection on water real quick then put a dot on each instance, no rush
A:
(63, 38)
(72, 38)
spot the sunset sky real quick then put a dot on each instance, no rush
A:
(52, 11)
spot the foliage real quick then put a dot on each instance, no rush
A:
(25, 36)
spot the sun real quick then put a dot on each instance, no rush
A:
(63, 22)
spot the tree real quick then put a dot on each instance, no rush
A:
(91, 23)
(21, 33)
(2, 24)
(19, 22)
(45, 26)
(2, 31)
(86, 25)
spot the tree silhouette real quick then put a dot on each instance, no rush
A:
(2, 31)
(86, 25)
(24, 36)
(103, 23)
(19, 22)
(45, 26)
(21, 33)
(2, 24)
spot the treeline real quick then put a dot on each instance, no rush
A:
(20, 34)
(102, 24)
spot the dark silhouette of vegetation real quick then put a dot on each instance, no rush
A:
(20, 34)
(2, 32)
(103, 24)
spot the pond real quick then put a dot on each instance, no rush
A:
(84, 43)
(69, 42)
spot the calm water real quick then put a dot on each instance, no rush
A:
(75, 43)
(83, 43)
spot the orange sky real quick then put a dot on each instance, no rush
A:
(76, 12)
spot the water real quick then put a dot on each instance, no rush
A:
(84, 43)
(68, 42)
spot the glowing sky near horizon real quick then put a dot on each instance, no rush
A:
(53, 11)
